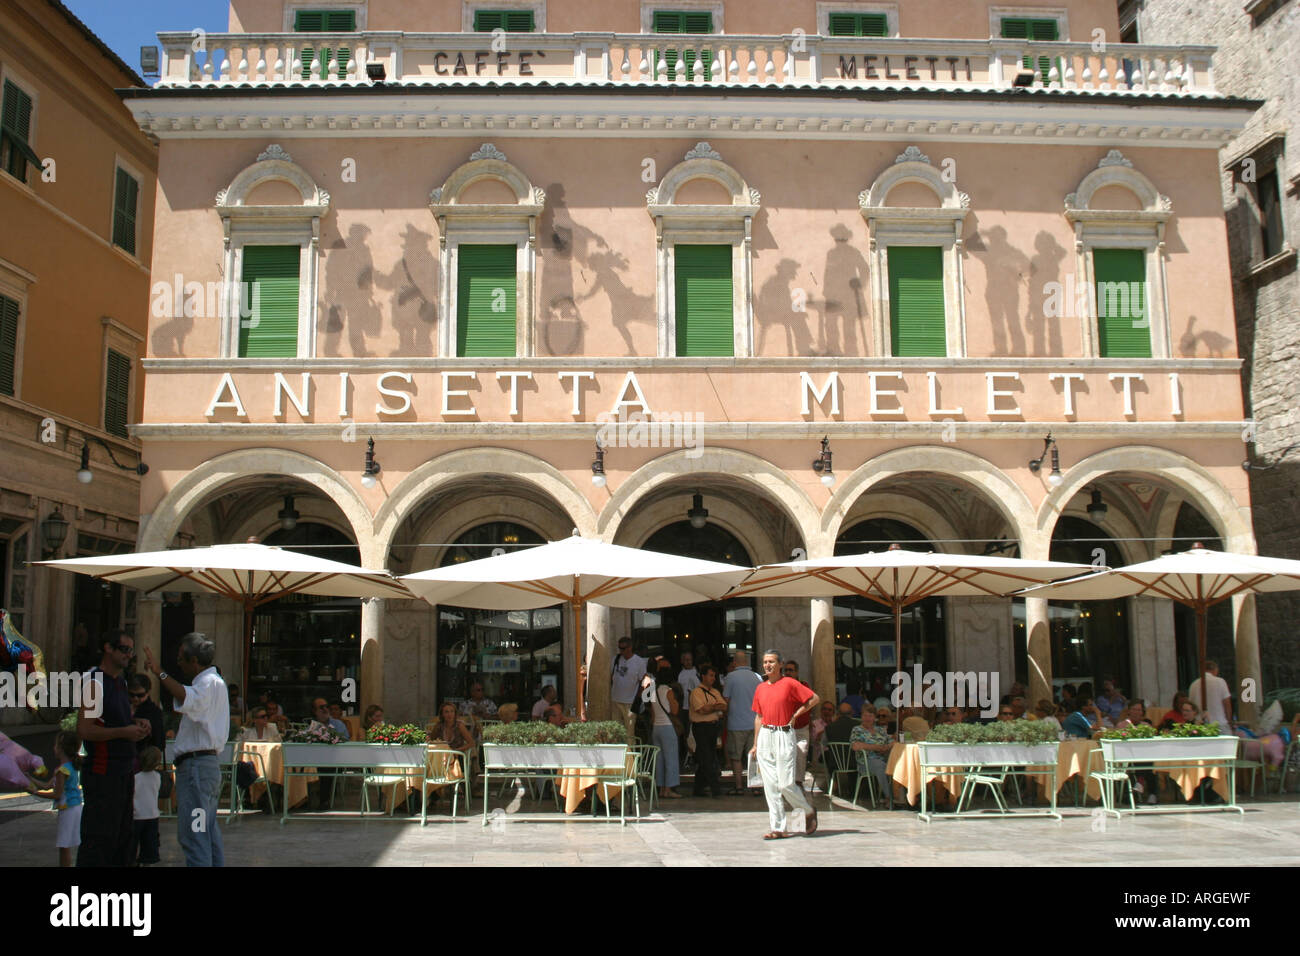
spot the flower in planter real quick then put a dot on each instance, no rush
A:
(405, 735)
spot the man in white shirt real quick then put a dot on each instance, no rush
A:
(1218, 698)
(739, 689)
(205, 724)
(688, 678)
(625, 682)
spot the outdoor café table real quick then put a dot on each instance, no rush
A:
(1076, 758)
(441, 763)
(1185, 759)
(272, 754)
(995, 760)
(574, 784)
(904, 768)
(586, 763)
(302, 761)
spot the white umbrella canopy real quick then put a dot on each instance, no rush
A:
(576, 570)
(249, 573)
(898, 577)
(1198, 578)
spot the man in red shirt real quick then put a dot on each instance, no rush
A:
(778, 703)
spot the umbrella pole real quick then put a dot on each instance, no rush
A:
(577, 658)
(248, 643)
(898, 636)
(1201, 627)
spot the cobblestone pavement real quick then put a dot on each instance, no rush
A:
(723, 832)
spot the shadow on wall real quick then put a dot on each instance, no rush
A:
(1006, 271)
(781, 304)
(582, 268)
(1044, 268)
(842, 326)
(1216, 345)
(415, 307)
(348, 303)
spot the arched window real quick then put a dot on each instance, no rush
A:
(704, 213)
(915, 217)
(1119, 240)
(487, 223)
(270, 214)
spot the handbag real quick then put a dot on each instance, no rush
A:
(672, 718)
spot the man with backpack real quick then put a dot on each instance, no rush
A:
(625, 683)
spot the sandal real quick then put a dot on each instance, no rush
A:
(774, 835)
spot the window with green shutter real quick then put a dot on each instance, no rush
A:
(325, 21)
(485, 300)
(270, 293)
(511, 21)
(917, 321)
(690, 22)
(1027, 28)
(15, 132)
(858, 25)
(117, 392)
(704, 300)
(8, 344)
(126, 196)
(1123, 325)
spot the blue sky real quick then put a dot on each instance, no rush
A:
(127, 26)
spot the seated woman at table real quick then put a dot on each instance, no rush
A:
(261, 729)
(1144, 779)
(508, 713)
(1083, 720)
(870, 744)
(1184, 712)
(373, 718)
(1046, 711)
(451, 729)
(274, 714)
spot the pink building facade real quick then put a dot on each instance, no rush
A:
(492, 253)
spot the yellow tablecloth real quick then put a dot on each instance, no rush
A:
(904, 768)
(574, 784)
(1075, 757)
(272, 754)
(353, 724)
(1188, 780)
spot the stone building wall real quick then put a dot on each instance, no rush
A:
(1257, 58)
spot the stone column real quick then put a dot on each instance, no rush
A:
(371, 675)
(148, 633)
(822, 626)
(1040, 649)
(600, 656)
(1246, 639)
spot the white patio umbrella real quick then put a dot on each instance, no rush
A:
(251, 574)
(574, 571)
(897, 578)
(1198, 578)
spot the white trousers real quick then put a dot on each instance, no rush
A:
(800, 753)
(776, 763)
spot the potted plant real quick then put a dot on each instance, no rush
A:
(1179, 741)
(596, 745)
(1001, 743)
(405, 734)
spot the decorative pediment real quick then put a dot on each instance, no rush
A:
(487, 163)
(913, 166)
(703, 162)
(273, 165)
(1114, 169)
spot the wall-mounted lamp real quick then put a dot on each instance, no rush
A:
(86, 476)
(288, 514)
(372, 468)
(1096, 507)
(822, 464)
(54, 530)
(1055, 478)
(598, 468)
(698, 514)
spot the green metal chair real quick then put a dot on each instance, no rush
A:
(1290, 761)
(254, 758)
(633, 768)
(646, 765)
(993, 781)
(839, 760)
(1254, 766)
(871, 786)
(438, 770)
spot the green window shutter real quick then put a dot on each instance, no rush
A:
(511, 21)
(1026, 28)
(126, 194)
(15, 131)
(325, 21)
(858, 25)
(485, 300)
(271, 277)
(1123, 326)
(672, 21)
(917, 323)
(704, 300)
(8, 344)
(117, 389)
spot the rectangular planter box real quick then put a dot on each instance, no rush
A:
(988, 755)
(353, 755)
(1171, 749)
(563, 756)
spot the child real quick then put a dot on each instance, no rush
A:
(67, 794)
(147, 782)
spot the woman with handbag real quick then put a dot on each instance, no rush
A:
(665, 726)
(707, 706)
